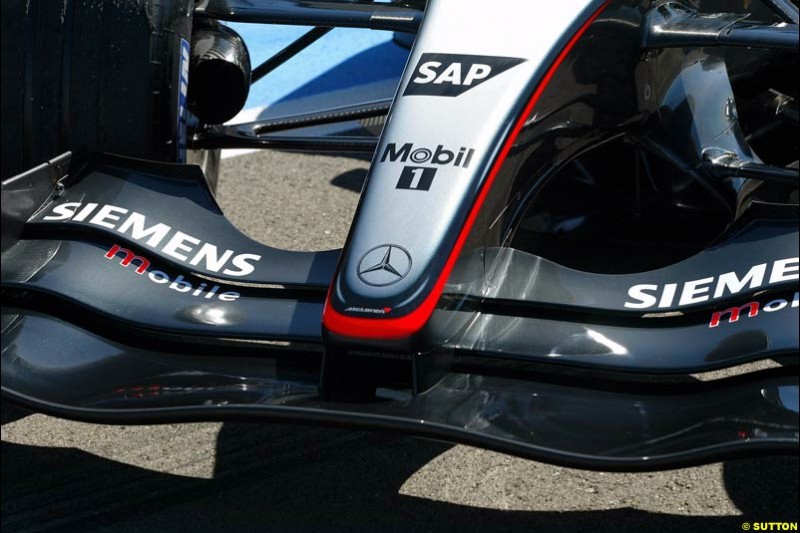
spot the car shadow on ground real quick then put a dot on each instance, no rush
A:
(352, 180)
(293, 478)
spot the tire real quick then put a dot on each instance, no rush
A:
(84, 76)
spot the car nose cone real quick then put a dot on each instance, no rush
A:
(384, 265)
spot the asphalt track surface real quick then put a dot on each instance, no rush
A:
(69, 476)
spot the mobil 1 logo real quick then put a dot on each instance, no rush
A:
(454, 74)
(416, 176)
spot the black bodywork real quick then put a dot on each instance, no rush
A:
(101, 323)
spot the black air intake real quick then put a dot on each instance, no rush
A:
(219, 73)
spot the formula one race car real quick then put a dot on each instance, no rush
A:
(577, 241)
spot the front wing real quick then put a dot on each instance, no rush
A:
(107, 317)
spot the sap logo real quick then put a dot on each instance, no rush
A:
(455, 74)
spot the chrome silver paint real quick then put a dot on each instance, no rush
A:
(522, 34)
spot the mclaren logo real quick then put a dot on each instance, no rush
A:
(384, 265)
(455, 74)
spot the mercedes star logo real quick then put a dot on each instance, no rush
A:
(384, 265)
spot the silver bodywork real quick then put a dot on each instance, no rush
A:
(426, 223)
